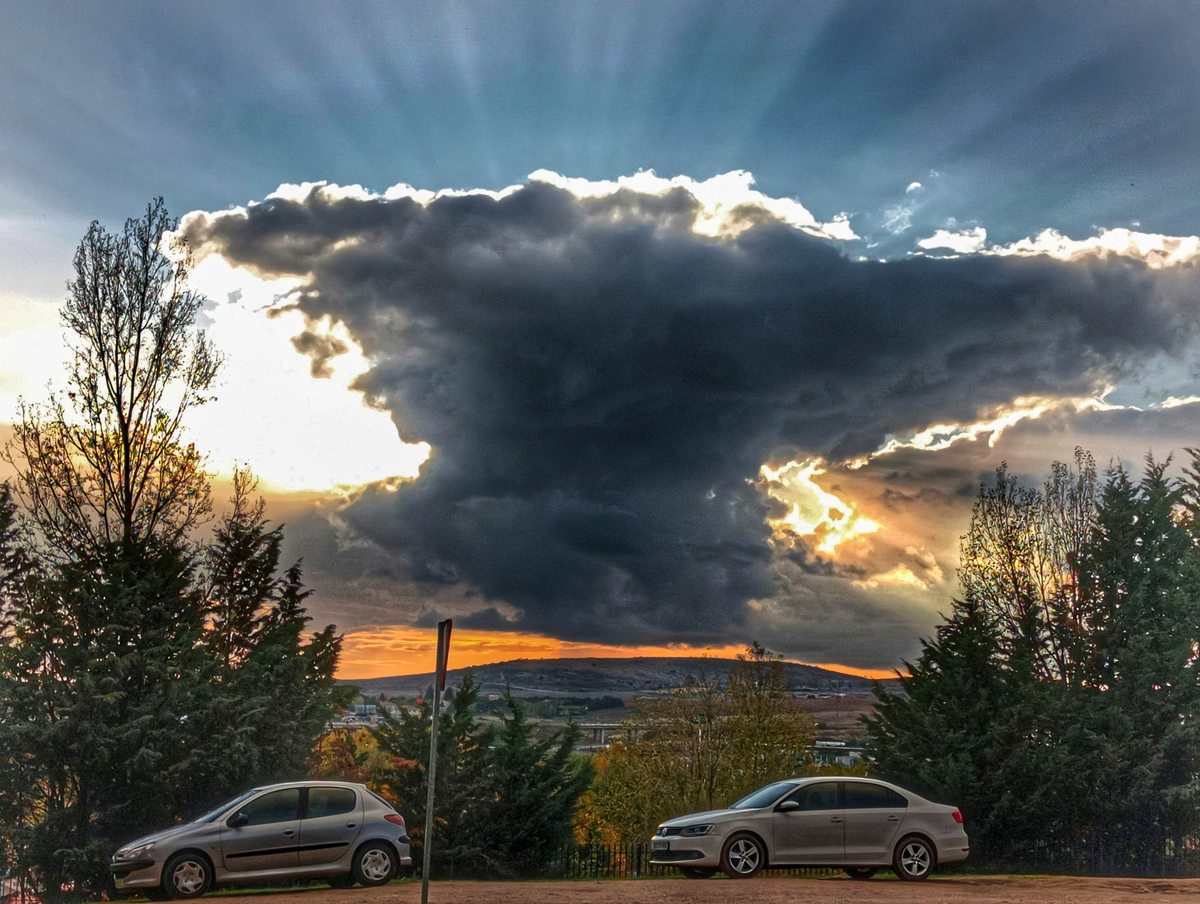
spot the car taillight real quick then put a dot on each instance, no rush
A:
(957, 817)
(397, 819)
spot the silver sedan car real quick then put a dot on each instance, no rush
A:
(856, 824)
(337, 831)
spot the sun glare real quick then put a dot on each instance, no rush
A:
(811, 510)
(405, 650)
(296, 431)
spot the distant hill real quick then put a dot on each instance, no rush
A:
(625, 678)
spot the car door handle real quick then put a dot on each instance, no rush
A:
(893, 819)
(351, 825)
(836, 819)
(289, 832)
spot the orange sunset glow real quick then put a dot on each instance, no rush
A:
(410, 651)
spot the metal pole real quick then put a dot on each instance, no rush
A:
(431, 773)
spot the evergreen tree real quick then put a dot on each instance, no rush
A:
(504, 801)
(948, 736)
(141, 676)
(1058, 705)
(525, 797)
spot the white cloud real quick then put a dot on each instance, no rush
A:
(1173, 402)
(912, 187)
(992, 422)
(966, 241)
(1155, 250)
(898, 219)
(720, 198)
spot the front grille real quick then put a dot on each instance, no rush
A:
(674, 856)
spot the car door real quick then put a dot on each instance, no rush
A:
(332, 820)
(267, 838)
(874, 815)
(812, 832)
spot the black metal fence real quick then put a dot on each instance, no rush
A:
(1097, 856)
(1091, 858)
(629, 861)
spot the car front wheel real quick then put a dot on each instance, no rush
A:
(743, 857)
(374, 864)
(914, 859)
(186, 876)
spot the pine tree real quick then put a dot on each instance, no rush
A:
(505, 800)
(141, 677)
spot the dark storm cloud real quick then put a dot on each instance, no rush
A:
(820, 618)
(600, 384)
(321, 349)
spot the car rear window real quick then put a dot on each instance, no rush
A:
(330, 801)
(381, 800)
(864, 797)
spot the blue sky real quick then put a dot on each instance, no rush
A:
(1033, 115)
(985, 123)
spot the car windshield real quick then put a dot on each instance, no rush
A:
(763, 797)
(228, 805)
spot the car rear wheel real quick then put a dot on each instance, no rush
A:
(340, 881)
(374, 864)
(914, 859)
(698, 872)
(860, 872)
(743, 856)
(186, 875)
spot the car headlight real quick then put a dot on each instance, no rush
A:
(133, 853)
(693, 831)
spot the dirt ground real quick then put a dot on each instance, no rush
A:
(762, 890)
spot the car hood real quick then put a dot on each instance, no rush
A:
(156, 837)
(707, 816)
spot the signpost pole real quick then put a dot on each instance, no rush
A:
(439, 685)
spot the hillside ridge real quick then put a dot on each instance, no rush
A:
(623, 677)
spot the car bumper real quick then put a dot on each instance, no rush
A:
(130, 874)
(953, 848)
(703, 851)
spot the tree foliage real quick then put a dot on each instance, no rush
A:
(1058, 704)
(145, 672)
(106, 464)
(702, 747)
(505, 798)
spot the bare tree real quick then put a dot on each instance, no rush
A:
(1020, 564)
(107, 463)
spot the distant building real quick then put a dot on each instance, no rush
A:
(836, 753)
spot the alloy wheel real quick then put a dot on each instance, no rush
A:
(915, 860)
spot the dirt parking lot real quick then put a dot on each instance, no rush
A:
(763, 890)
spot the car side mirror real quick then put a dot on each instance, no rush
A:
(237, 820)
(788, 806)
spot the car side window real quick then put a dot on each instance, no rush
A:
(821, 796)
(330, 801)
(275, 806)
(872, 797)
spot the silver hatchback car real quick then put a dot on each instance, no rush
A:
(855, 824)
(337, 831)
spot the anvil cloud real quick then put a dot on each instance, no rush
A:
(602, 371)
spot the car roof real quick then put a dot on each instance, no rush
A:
(309, 783)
